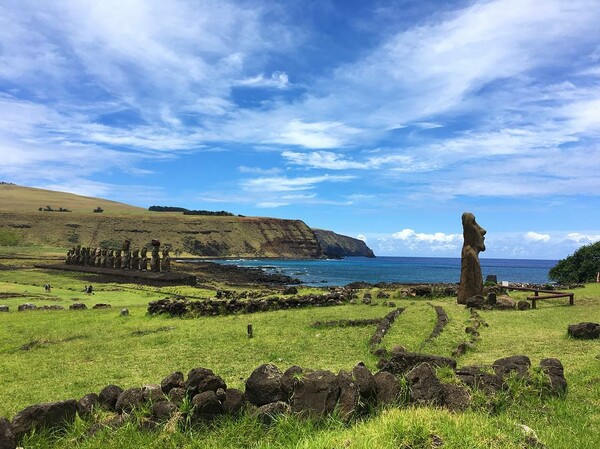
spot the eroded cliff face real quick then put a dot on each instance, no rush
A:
(337, 245)
(197, 235)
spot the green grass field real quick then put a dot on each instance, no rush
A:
(72, 353)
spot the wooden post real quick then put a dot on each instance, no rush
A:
(250, 334)
(571, 299)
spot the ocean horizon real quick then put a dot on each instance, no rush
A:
(335, 272)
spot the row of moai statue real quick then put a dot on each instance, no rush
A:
(124, 259)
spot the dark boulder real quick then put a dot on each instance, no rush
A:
(50, 415)
(202, 379)
(288, 380)
(505, 302)
(316, 394)
(177, 395)
(475, 302)
(349, 395)
(519, 364)
(264, 385)
(164, 410)
(173, 380)
(101, 306)
(152, 393)
(206, 406)
(365, 380)
(129, 400)
(584, 331)
(268, 412)
(477, 377)
(425, 387)
(553, 368)
(86, 405)
(388, 388)
(4, 308)
(291, 290)
(108, 397)
(523, 305)
(455, 397)
(26, 306)
(235, 401)
(402, 362)
(7, 436)
(78, 306)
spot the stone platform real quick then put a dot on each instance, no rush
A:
(133, 276)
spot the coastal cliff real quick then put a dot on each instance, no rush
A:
(337, 245)
(25, 220)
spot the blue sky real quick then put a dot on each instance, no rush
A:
(380, 119)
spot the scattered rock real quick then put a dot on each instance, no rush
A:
(492, 278)
(203, 379)
(108, 397)
(475, 302)
(584, 331)
(268, 412)
(523, 305)
(173, 380)
(152, 393)
(129, 400)
(553, 368)
(316, 394)
(425, 387)
(78, 306)
(7, 436)
(517, 363)
(124, 312)
(382, 295)
(101, 306)
(349, 395)
(177, 395)
(4, 308)
(26, 306)
(505, 302)
(235, 401)
(206, 406)
(86, 405)
(491, 299)
(455, 397)
(365, 380)
(264, 385)
(388, 388)
(477, 377)
(403, 362)
(288, 380)
(50, 415)
(291, 290)
(164, 410)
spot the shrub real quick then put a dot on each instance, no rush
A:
(581, 266)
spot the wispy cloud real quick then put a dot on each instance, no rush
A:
(537, 237)
(285, 184)
(277, 80)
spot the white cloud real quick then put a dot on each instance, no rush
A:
(435, 238)
(277, 80)
(314, 134)
(537, 237)
(258, 170)
(361, 237)
(285, 184)
(583, 238)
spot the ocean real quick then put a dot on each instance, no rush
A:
(397, 269)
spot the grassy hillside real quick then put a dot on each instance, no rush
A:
(15, 198)
(22, 224)
(336, 245)
(78, 352)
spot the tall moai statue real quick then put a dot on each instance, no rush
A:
(471, 279)
(165, 263)
(135, 259)
(110, 259)
(155, 260)
(103, 262)
(144, 259)
(126, 260)
(98, 257)
(118, 259)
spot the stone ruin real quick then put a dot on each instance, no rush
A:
(405, 378)
(122, 259)
(471, 279)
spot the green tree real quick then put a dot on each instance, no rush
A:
(581, 266)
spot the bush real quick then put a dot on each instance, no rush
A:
(9, 238)
(581, 266)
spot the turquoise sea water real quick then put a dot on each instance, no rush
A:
(397, 269)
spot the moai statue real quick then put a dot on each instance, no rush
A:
(110, 259)
(69, 259)
(155, 260)
(104, 253)
(98, 257)
(144, 259)
(126, 260)
(165, 263)
(78, 255)
(88, 256)
(471, 279)
(118, 259)
(135, 259)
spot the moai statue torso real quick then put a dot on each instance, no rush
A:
(155, 260)
(165, 263)
(471, 279)
(144, 259)
(135, 259)
(110, 259)
(118, 259)
(103, 258)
